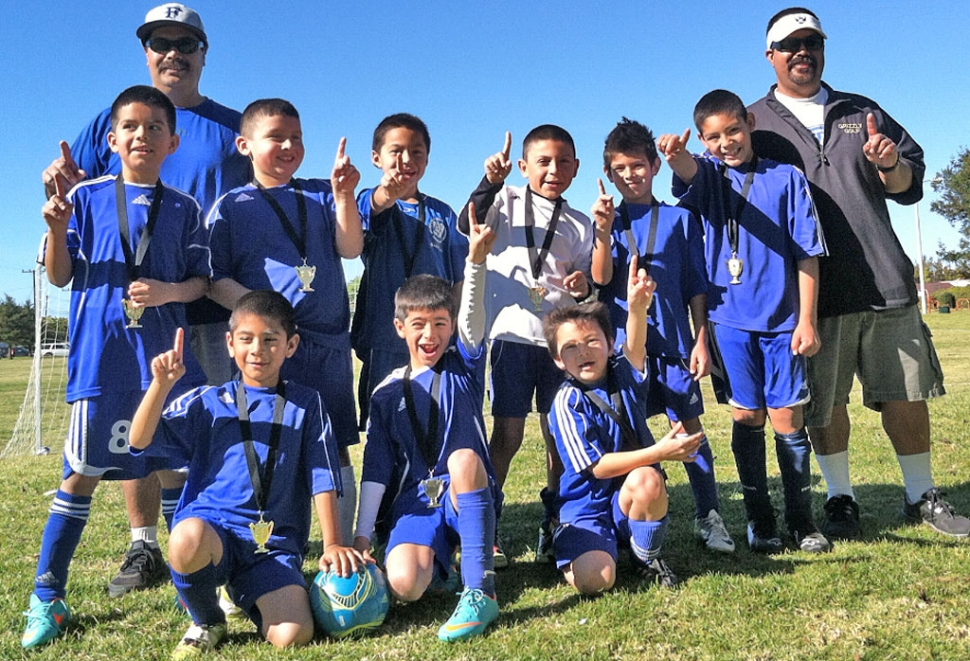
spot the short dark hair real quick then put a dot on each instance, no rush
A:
(424, 292)
(264, 108)
(547, 132)
(149, 96)
(785, 12)
(629, 137)
(267, 304)
(401, 120)
(719, 102)
(595, 313)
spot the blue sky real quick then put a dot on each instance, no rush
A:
(471, 70)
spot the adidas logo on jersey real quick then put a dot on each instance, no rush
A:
(694, 398)
(142, 200)
(243, 197)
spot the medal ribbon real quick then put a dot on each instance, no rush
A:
(617, 412)
(427, 441)
(418, 235)
(732, 221)
(298, 240)
(536, 259)
(261, 485)
(643, 260)
(133, 262)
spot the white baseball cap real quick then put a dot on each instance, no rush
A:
(172, 13)
(789, 23)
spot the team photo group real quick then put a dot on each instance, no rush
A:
(211, 366)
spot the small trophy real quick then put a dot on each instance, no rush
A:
(261, 531)
(434, 488)
(306, 273)
(133, 313)
(537, 294)
(735, 267)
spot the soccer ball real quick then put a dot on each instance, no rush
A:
(349, 606)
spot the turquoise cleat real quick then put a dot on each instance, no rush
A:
(46, 620)
(475, 611)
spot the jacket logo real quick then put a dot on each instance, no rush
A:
(850, 127)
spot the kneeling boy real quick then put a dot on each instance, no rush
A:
(612, 485)
(257, 449)
(442, 482)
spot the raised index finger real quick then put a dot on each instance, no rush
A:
(66, 155)
(686, 136)
(179, 342)
(472, 220)
(340, 148)
(507, 149)
(871, 125)
(602, 188)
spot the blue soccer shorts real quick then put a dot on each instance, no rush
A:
(331, 373)
(672, 389)
(520, 371)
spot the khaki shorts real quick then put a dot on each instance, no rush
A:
(891, 351)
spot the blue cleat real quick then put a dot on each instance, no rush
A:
(475, 611)
(46, 620)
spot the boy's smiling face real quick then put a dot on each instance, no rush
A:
(584, 351)
(275, 148)
(142, 138)
(259, 346)
(427, 333)
(550, 166)
(633, 174)
(405, 153)
(728, 138)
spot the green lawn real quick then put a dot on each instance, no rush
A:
(900, 593)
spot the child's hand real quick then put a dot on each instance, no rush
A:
(678, 446)
(167, 368)
(481, 238)
(672, 145)
(498, 166)
(147, 293)
(393, 181)
(344, 560)
(639, 288)
(805, 340)
(345, 176)
(65, 169)
(57, 210)
(878, 149)
(576, 284)
(603, 210)
(700, 361)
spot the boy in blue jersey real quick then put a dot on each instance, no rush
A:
(136, 251)
(405, 233)
(541, 261)
(612, 486)
(258, 450)
(289, 235)
(668, 243)
(762, 245)
(429, 490)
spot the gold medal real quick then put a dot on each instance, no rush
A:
(434, 488)
(735, 267)
(306, 274)
(133, 313)
(261, 531)
(537, 294)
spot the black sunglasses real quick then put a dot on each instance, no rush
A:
(185, 45)
(795, 44)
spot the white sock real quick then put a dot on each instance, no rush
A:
(347, 504)
(917, 474)
(148, 534)
(835, 470)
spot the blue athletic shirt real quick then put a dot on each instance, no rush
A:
(250, 245)
(676, 265)
(778, 228)
(584, 433)
(442, 253)
(205, 165)
(201, 429)
(391, 454)
(105, 356)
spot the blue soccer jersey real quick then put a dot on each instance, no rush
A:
(584, 433)
(392, 456)
(105, 356)
(778, 228)
(250, 245)
(676, 264)
(396, 247)
(201, 429)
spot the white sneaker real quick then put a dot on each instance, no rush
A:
(228, 606)
(711, 529)
(199, 640)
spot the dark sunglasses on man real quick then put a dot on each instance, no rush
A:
(795, 44)
(184, 45)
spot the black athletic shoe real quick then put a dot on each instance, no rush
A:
(656, 571)
(842, 518)
(763, 538)
(143, 567)
(811, 541)
(938, 514)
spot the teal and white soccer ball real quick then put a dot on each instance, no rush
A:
(349, 606)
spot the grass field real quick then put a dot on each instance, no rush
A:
(900, 593)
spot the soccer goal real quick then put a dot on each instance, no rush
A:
(44, 415)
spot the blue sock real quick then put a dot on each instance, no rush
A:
(748, 445)
(476, 528)
(700, 473)
(795, 461)
(65, 523)
(198, 592)
(647, 538)
(170, 501)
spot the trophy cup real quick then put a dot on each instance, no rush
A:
(261, 531)
(133, 313)
(735, 267)
(433, 488)
(306, 273)
(537, 294)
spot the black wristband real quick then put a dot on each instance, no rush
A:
(891, 167)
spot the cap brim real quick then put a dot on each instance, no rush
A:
(145, 31)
